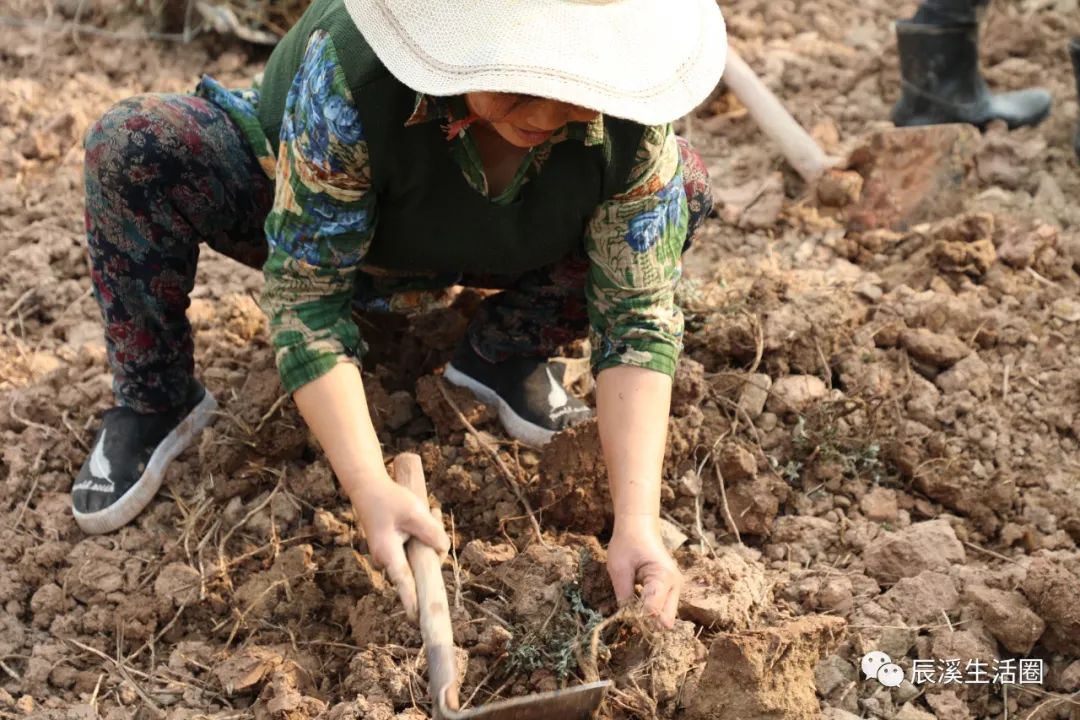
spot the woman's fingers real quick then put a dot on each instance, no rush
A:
(423, 526)
(622, 581)
(416, 522)
(655, 595)
(399, 572)
(661, 595)
(671, 607)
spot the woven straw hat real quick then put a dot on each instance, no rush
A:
(650, 61)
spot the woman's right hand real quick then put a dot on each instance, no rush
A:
(390, 514)
(335, 408)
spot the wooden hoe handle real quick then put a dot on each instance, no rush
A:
(775, 121)
(435, 623)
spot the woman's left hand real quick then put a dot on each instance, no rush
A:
(636, 554)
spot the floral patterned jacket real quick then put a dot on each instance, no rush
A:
(324, 218)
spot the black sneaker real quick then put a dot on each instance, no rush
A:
(129, 457)
(533, 404)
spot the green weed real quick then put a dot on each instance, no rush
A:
(556, 645)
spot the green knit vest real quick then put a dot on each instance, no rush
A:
(430, 219)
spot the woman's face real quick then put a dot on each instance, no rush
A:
(522, 120)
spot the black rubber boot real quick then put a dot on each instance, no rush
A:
(939, 67)
(1074, 53)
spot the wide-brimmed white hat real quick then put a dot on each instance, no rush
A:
(650, 61)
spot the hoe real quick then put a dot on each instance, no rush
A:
(577, 703)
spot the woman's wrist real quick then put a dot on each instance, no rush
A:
(633, 523)
(360, 486)
(636, 502)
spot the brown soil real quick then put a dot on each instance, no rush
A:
(874, 440)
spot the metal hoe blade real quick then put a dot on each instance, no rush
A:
(576, 703)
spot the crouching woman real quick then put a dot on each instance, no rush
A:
(403, 145)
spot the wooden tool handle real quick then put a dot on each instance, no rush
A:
(435, 623)
(775, 121)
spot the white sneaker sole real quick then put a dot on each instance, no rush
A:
(518, 427)
(127, 508)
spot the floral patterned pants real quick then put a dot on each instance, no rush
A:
(166, 173)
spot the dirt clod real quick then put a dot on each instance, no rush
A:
(912, 174)
(178, 583)
(879, 505)
(1008, 617)
(765, 674)
(923, 598)
(573, 485)
(795, 393)
(934, 348)
(726, 593)
(1045, 588)
(969, 374)
(930, 545)
(754, 394)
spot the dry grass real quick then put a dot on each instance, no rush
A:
(276, 16)
(272, 17)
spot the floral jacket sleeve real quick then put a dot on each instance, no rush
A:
(321, 224)
(634, 243)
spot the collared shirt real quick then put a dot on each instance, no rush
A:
(446, 110)
(324, 219)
